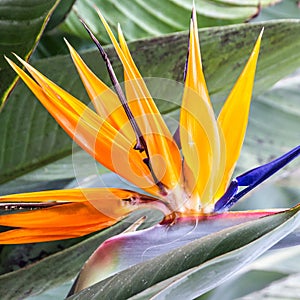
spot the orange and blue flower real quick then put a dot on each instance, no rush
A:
(187, 177)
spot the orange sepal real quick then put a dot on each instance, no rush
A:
(89, 130)
(74, 213)
(163, 151)
(54, 223)
(105, 101)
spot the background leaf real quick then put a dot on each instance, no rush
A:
(286, 288)
(286, 9)
(52, 41)
(255, 282)
(60, 14)
(54, 175)
(21, 25)
(144, 18)
(141, 18)
(277, 127)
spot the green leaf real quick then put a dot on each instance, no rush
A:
(63, 266)
(55, 175)
(286, 9)
(253, 280)
(149, 18)
(60, 13)
(286, 260)
(199, 266)
(274, 265)
(287, 288)
(119, 254)
(153, 242)
(51, 42)
(31, 138)
(21, 25)
(15, 257)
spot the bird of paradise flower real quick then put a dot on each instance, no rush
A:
(187, 177)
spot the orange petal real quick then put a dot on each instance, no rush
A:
(233, 118)
(64, 215)
(199, 132)
(22, 236)
(69, 195)
(196, 80)
(89, 210)
(57, 222)
(106, 102)
(164, 154)
(96, 136)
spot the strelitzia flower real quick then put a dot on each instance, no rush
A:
(187, 178)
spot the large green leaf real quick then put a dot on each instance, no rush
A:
(61, 267)
(119, 254)
(272, 266)
(31, 138)
(21, 25)
(197, 267)
(144, 18)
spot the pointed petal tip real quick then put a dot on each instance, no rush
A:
(258, 41)
(120, 32)
(11, 63)
(103, 20)
(21, 60)
(194, 25)
(93, 37)
(261, 32)
(256, 48)
(17, 56)
(85, 25)
(98, 11)
(67, 43)
(8, 60)
(134, 227)
(194, 15)
(122, 40)
(28, 67)
(71, 49)
(89, 30)
(259, 38)
(193, 6)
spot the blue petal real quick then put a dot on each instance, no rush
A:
(253, 178)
